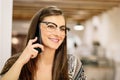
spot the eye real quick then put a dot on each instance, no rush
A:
(51, 26)
(62, 28)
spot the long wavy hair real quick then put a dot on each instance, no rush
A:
(60, 64)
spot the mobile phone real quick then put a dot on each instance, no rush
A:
(38, 35)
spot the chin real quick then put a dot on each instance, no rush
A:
(55, 47)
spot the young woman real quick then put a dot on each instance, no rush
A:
(47, 32)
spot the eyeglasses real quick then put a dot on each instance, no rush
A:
(52, 27)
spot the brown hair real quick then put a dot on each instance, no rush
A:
(60, 64)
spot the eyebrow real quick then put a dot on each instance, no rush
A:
(52, 23)
(49, 22)
(63, 26)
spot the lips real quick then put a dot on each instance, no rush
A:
(54, 40)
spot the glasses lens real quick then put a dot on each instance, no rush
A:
(51, 27)
(62, 29)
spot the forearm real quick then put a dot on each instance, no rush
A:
(14, 72)
(29, 52)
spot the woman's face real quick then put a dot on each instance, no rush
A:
(53, 31)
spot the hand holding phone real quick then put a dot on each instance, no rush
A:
(38, 49)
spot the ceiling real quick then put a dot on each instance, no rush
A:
(78, 10)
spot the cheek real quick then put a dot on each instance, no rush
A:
(63, 38)
(43, 32)
(43, 35)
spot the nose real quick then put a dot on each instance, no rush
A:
(57, 31)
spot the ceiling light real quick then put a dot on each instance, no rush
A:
(79, 27)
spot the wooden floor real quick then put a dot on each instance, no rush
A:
(99, 73)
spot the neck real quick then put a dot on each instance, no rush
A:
(47, 57)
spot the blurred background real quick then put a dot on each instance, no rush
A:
(93, 37)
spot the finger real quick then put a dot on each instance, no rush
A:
(34, 54)
(38, 45)
(35, 51)
(31, 41)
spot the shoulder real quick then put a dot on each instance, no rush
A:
(75, 68)
(9, 63)
(74, 65)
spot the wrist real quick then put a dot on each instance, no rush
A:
(20, 62)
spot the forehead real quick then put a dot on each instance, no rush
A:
(58, 19)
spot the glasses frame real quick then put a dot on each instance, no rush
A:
(60, 28)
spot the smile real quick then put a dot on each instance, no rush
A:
(54, 40)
